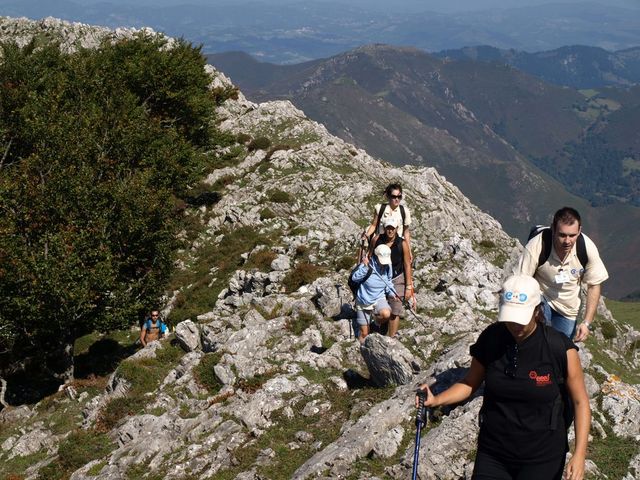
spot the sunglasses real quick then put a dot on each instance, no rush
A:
(396, 197)
(512, 356)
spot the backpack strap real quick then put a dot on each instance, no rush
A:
(547, 241)
(383, 206)
(366, 277)
(404, 216)
(147, 324)
(581, 251)
(562, 404)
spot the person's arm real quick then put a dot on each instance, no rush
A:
(593, 297)
(406, 234)
(372, 226)
(409, 293)
(142, 334)
(459, 391)
(580, 399)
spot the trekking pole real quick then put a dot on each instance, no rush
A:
(420, 422)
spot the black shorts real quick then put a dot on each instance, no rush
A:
(488, 467)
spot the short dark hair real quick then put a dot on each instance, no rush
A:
(566, 215)
(391, 187)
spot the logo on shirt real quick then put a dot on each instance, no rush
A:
(541, 380)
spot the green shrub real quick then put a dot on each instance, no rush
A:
(345, 262)
(302, 251)
(261, 260)
(303, 273)
(253, 384)
(608, 330)
(243, 138)
(260, 143)
(266, 214)
(487, 243)
(278, 196)
(204, 374)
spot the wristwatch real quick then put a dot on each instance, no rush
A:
(589, 326)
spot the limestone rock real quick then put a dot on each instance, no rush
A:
(188, 335)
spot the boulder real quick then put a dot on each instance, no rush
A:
(389, 362)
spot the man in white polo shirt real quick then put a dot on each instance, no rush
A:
(561, 259)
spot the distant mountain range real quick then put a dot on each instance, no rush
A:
(575, 66)
(297, 31)
(518, 146)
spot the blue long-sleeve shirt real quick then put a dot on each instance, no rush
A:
(376, 285)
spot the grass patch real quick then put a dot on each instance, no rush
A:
(259, 143)
(261, 260)
(279, 196)
(628, 375)
(613, 454)
(302, 274)
(626, 312)
(77, 449)
(13, 469)
(267, 214)
(204, 374)
(300, 323)
(144, 376)
(253, 384)
(346, 262)
(210, 273)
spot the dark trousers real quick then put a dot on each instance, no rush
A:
(487, 467)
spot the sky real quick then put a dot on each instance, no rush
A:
(445, 6)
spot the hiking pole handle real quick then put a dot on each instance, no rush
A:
(421, 409)
(422, 396)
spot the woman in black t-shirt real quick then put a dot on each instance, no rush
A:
(522, 426)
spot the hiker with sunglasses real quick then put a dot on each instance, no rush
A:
(152, 329)
(532, 376)
(402, 278)
(394, 209)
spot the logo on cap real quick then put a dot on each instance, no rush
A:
(515, 296)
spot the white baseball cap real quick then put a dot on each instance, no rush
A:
(383, 252)
(520, 296)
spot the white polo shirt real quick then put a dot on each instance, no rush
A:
(560, 281)
(397, 214)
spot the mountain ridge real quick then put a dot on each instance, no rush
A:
(406, 106)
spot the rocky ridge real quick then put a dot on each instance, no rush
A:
(311, 193)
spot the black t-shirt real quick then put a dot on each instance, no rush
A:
(397, 254)
(520, 418)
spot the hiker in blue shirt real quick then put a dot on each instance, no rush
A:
(152, 329)
(371, 298)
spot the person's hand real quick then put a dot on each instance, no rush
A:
(575, 468)
(429, 400)
(365, 260)
(582, 332)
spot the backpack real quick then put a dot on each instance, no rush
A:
(355, 285)
(162, 327)
(558, 354)
(547, 242)
(381, 212)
